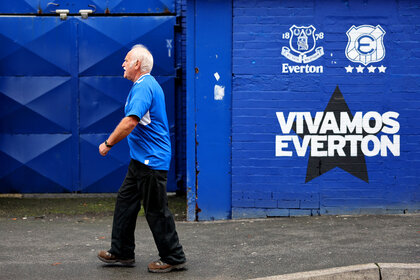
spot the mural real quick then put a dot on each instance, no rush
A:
(325, 110)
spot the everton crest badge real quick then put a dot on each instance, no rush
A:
(302, 41)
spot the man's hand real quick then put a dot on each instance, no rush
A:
(103, 149)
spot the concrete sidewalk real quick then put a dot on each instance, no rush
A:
(66, 248)
(373, 271)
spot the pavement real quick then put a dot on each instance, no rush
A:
(279, 248)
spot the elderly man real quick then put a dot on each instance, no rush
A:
(146, 126)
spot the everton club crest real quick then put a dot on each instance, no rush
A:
(302, 42)
(365, 46)
(302, 50)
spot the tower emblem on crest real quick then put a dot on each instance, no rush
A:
(366, 44)
(302, 41)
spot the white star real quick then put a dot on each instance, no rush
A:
(381, 69)
(371, 69)
(349, 69)
(360, 69)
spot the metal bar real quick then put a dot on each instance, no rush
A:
(190, 114)
(75, 107)
(92, 15)
(213, 87)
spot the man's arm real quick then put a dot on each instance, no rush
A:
(122, 130)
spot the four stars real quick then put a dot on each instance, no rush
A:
(360, 68)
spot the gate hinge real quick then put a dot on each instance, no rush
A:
(85, 13)
(63, 13)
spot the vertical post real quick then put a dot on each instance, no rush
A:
(209, 78)
(190, 113)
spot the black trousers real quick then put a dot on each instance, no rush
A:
(143, 183)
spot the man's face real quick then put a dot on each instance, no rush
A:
(130, 67)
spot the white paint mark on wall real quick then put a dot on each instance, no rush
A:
(217, 76)
(219, 92)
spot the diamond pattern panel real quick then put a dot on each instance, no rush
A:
(168, 86)
(99, 6)
(48, 137)
(46, 6)
(147, 6)
(102, 173)
(19, 7)
(35, 46)
(35, 163)
(102, 101)
(35, 104)
(37, 107)
(104, 46)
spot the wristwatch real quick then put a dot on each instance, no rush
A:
(106, 144)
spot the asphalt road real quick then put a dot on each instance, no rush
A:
(66, 248)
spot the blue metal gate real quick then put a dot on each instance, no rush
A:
(62, 93)
(99, 7)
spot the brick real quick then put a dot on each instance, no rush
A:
(237, 195)
(299, 212)
(288, 204)
(278, 212)
(259, 203)
(307, 204)
(243, 203)
(257, 195)
(241, 213)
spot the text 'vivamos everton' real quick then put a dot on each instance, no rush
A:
(330, 134)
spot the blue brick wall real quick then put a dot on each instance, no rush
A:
(264, 184)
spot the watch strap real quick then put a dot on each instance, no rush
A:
(108, 145)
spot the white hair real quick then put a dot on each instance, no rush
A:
(143, 55)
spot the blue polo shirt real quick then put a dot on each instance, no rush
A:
(149, 141)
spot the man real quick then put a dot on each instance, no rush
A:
(146, 126)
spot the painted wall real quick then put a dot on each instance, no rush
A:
(325, 107)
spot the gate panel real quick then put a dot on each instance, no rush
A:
(103, 90)
(105, 96)
(147, 6)
(25, 105)
(104, 42)
(35, 46)
(37, 104)
(99, 7)
(19, 7)
(61, 88)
